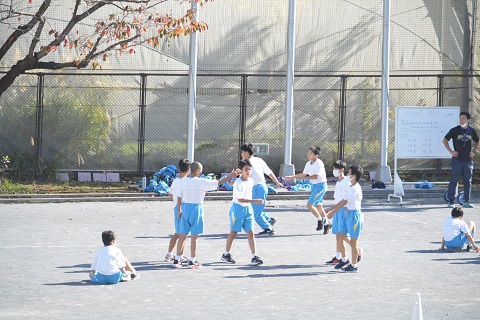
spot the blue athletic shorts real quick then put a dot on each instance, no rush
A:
(103, 279)
(457, 242)
(354, 223)
(241, 218)
(259, 191)
(192, 219)
(318, 191)
(339, 220)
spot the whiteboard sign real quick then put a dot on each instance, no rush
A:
(419, 131)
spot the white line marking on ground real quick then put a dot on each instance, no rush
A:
(397, 215)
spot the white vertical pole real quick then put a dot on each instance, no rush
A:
(384, 171)
(290, 76)
(192, 89)
(287, 168)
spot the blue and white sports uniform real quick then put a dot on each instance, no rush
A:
(353, 222)
(241, 213)
(455, 232)
(107, 263)
(340, 190)
(319, 185)
(174, 190)
(192, 192)
(260, 190)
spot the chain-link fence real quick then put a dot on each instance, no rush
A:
(139, 122)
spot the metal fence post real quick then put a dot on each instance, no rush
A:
(141, 124)
(440, 90)
(243, 114)
(39, 116)
(342, 109)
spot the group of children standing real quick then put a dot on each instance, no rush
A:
(344, 219)
(249, 195)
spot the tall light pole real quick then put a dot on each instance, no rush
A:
(383, 171)
(287, 168)
(192, 89)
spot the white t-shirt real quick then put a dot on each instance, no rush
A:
(354, 197)
(175, 188)
(341, 189)
(316, 168)
(453, 227)
(192, 190)
(259, 170)
(242, 190)
(108, 260)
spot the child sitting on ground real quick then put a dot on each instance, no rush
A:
(456, 232)
(110, 265)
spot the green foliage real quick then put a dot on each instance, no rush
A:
(75, 124)
(4, 167)
(9, 187)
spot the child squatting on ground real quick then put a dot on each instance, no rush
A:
(110, 265)
(456, 232)
(352, 222)
(184, 167)
(190, 210)
(241, 213)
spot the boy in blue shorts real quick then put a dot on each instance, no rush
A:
(260, 189)
(190, 210)
(184, 167)
(341, 187)
(352, 222)
(456, 232)
(241, 213)
(315, 171)
(110, 265)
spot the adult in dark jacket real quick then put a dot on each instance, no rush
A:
(465, 146)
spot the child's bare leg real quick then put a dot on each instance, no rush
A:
(230, 239)
(173, 242)
(340, 245)
(354, 246)
(251, 242)
(472, 227)
(193, 245)
(346, 240)
(442, 247)
(181, 243)
(313, 210)
(129, 267)
(321, 211)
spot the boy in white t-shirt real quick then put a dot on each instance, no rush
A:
(110, 265)
(260, 189)
(352, 222)
(191, 194)
(241, 213)
(456, 232)
(184, 167)
(315, 172)
(341, 188)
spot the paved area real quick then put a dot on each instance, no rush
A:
(46, 250)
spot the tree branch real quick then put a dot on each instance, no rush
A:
(26, 28)
(36, 38)
(51, 65)
(111, 47)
